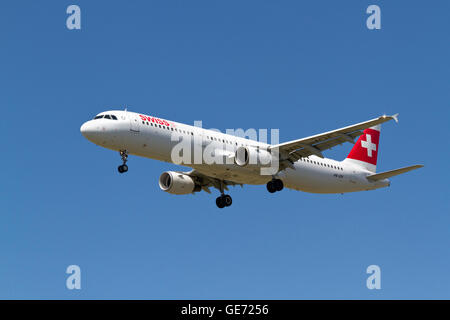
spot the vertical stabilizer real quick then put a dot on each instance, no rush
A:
(365, 151)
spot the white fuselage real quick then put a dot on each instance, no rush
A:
(153, 138)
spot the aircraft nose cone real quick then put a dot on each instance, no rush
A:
(87, 130)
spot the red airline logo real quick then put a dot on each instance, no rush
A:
(366, 148)
(155, 120)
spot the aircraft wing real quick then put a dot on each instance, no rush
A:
(292, 151)
(206, 181)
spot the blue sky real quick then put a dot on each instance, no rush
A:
(301, 66)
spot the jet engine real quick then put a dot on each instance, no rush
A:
(177, 183)
(252, 156)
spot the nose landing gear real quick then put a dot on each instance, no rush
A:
(123, 167)
(275, 185)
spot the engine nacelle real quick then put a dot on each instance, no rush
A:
(251, 156)
(177, 183)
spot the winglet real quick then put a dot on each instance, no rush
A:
(395, 116)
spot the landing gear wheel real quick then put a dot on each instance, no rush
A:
(224, 201)
(275, 185)
(228, 201)
(271, 186)
(220, 202)
(278, 184)
(124, 155)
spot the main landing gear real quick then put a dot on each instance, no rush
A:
(275, 185)
(123, 167)
(224, 201)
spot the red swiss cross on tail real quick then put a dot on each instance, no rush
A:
(365, 150)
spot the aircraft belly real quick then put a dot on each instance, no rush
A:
(316, 180)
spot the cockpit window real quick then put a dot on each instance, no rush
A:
(106, 116)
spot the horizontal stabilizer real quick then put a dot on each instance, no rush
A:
(388, 174)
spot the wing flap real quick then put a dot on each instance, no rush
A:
(391, 173)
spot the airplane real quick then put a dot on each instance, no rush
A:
(300, 164)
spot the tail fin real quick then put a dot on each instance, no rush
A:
(365, 151)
